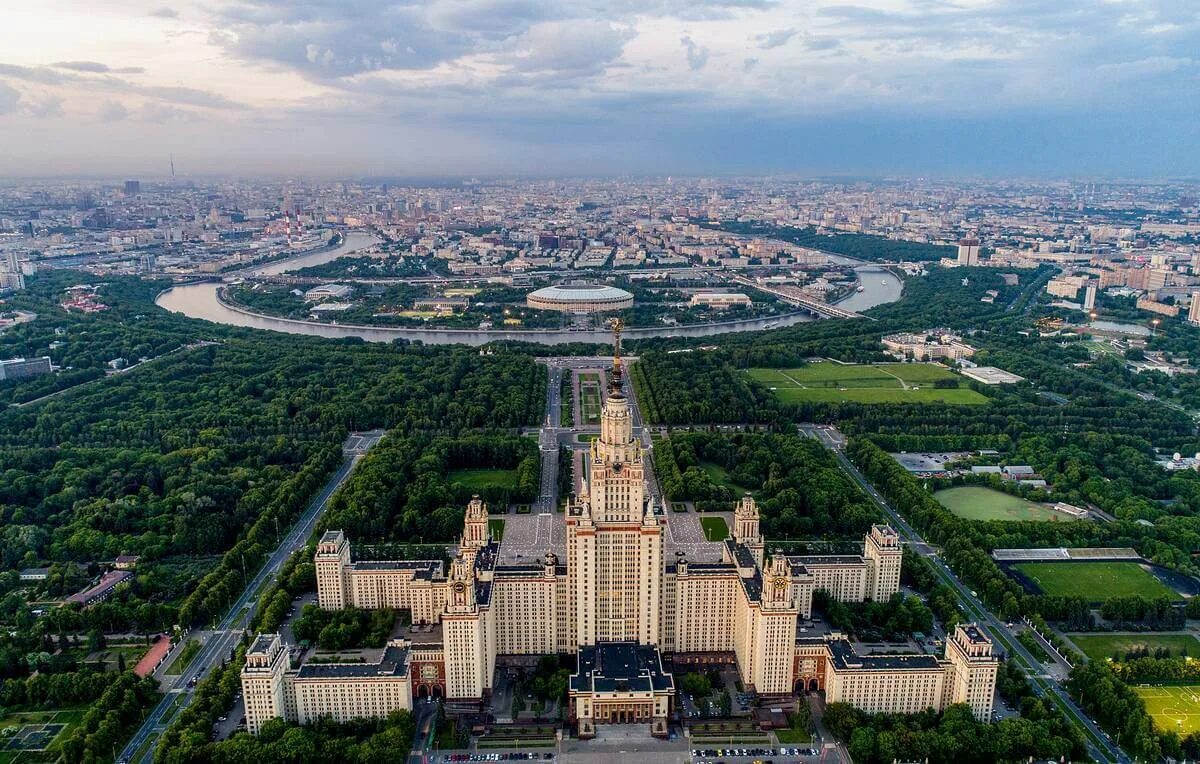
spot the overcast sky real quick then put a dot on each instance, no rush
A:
(552, 87)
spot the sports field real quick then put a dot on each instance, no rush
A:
(974, 502)
(876, 383)
(715, 528)
(1100, 647)
(32, 736)
(1174, 707)
(1096, 581)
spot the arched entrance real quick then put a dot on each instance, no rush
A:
(422, 691)
(813, 685)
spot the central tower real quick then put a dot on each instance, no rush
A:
(614, 538)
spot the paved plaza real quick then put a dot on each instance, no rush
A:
(527, 538)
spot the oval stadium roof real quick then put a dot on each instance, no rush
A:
(581, 293)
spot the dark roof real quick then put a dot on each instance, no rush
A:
(262, 643)
(753, 585)
(620, 667)
(741, 554)
(844, 658)
(826, 559)
(393, 663)
(420, 568)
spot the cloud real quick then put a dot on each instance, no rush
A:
(568, 47)
(697, 56)
(112, 111)
(775, 39)
(748, 64)
(822, 43)
(95, 67)
(9, 98)
(164, 12)
(32, 74)
(189, 97)
(43, 106)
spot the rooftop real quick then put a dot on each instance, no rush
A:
(620, 667)
(581, 293)
(845, 658)
(394, 663)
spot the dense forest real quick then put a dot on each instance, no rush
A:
(405, 488)
(800, 491)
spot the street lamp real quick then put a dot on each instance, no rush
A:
(1153, 326)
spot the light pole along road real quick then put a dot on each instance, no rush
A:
(223, 640)
(1099, 746)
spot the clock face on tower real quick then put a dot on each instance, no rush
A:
(460, 587)
(780, 585)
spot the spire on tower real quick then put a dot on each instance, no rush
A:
(617, 326)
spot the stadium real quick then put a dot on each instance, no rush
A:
(580, 298)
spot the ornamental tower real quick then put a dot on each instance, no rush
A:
(745, 524)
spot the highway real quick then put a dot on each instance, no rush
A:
(1099, 746)
(224, 639)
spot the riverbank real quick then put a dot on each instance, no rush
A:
(204, 301)
(446, 336)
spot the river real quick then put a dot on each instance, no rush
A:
(201, 301)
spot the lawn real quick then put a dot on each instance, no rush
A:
(484, 477)
(1176, 707)
(828, 382)
(1095, 580)
(496, 528)
(974, 502)
(184, 659)
(720, 476)
(1100, 647)
(590, 401)
(715, 528)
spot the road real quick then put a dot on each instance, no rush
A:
(221, 642)
(1099, 747)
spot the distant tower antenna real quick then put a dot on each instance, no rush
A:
(172, 168)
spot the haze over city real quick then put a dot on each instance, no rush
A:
(550, 87)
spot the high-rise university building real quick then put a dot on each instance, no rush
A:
(621, 601)
(133, 187)
(968, 251)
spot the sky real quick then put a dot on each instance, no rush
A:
(352, 88)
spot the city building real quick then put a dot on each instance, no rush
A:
(21, 368)
(927, 346)
(968, 251)
(617, 603)
(1194, 309)
(719, 299)
(1089, 297)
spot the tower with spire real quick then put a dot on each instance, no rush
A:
(614, 536)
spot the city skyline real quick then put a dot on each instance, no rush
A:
(556, 89)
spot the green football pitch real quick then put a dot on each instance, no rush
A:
(974, 502)
(1173, 708)
(875, 383)
(1096, 581)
